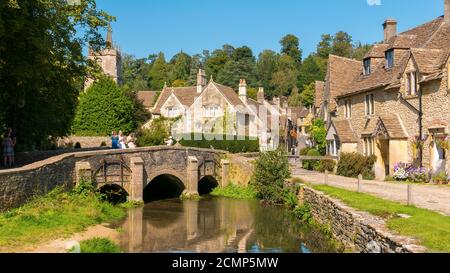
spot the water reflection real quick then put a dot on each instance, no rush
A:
(217, 225)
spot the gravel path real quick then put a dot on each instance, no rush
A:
(433, 197)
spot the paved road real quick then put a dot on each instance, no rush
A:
(431, 197)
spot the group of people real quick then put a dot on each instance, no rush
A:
(8, 144)
(121, 141)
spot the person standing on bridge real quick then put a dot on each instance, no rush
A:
(114, 140)
(9, 141)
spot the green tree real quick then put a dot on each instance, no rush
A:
(290, 45)
(360, 50)
(216, 63)
(313, 69)
(295, 99)
(180, 67)
(308, 94)
(42, 67)
(285, 79)
(240, 66)
(324, 46)
(104, 107)
(156, 134)
(271, 172)
(265, 68)
(342, 45)
(319, 135)
(158, 73)
(135, 73)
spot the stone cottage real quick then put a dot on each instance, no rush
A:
(396, 101)
(212, 108)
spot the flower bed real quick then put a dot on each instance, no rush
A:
(410, 173)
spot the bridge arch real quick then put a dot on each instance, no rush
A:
(163, 186)
(207, 184)
(114, 193)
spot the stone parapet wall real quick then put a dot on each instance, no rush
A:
(20, 185)
(86, 142)
(359, 231)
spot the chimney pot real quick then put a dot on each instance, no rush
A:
(390, 29)
(260, 95)
(243, 90)
(201, 80)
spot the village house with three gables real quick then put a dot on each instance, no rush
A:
(395, 101)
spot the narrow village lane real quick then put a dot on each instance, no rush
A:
(431, 197)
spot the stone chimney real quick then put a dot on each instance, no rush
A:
(447, 11)
(243, 90)
(390, 29)
(201, 80)
(260, 95)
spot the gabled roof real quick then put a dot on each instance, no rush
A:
(391, 127)
(341, 71)
(147, 98)
(318, 98)
(344, 131)
(423, 43)
(377, 51)
(229, 94)
(186, 96)
(428, 60)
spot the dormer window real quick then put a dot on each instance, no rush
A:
(367, 69)
(411, 83)
(173, 112)
(389, 58)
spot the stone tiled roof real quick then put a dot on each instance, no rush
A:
(393, 126)
(186, 95)
(230, 94)
(147, 98)
(428, 43)
(318, 98)
(377, 51)
(345, 131)
(341, 71)
(428, 60)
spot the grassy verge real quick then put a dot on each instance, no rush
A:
(430, 228)
(58, 214)
(236, 192)
(99, 245)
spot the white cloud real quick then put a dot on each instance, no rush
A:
(374, 2)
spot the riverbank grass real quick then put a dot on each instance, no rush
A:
(55, 215)
(430, 228)
(99, 245)
(236, 192)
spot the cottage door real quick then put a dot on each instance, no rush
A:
(438, 162)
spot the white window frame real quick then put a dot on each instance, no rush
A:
(173, 112)
(369, 102)
(369, 146)
(212, 111)
(412, 83)
(348, 109)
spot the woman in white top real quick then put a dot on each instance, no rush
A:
(130, 141)
(122, 140)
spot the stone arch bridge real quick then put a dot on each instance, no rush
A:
(134, 169)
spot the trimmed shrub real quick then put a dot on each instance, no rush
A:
(311, 164)
(156, 134)
(305, 151)
(232, 144)
(104, 107)
(271, 172)
(326, 165)
(354, 164)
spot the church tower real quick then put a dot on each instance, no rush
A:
(109, 59)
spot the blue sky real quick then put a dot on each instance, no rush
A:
(150, 26)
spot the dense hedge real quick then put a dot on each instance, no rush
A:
(311, 164)
(354, 164)
(229, 143)
(326, 165)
